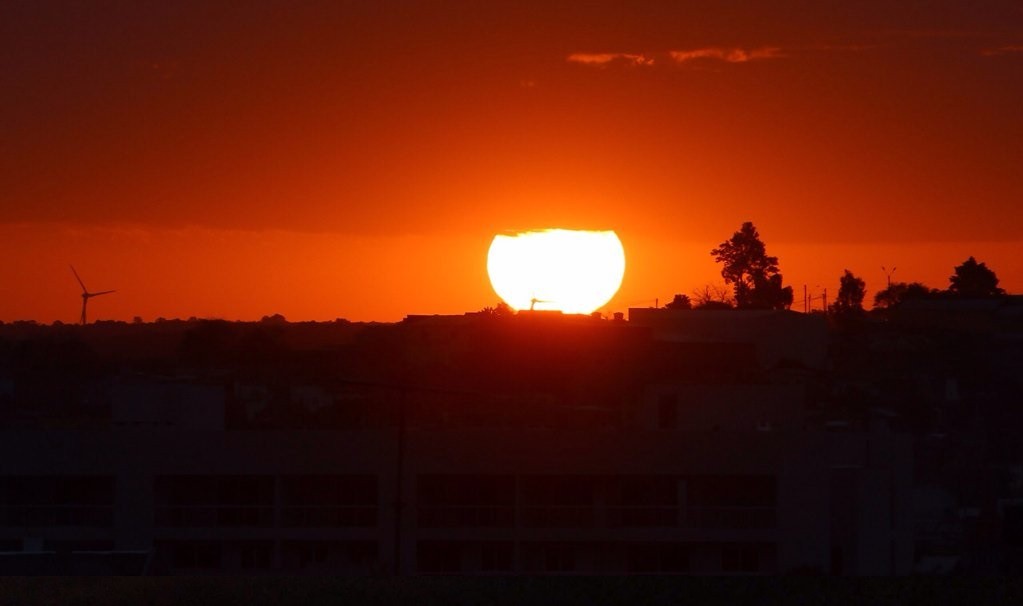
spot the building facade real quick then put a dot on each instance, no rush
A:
(460, 501)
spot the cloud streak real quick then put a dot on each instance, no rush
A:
(728, 55)
(737, 54)
(604, 59)
(713, 53)
(1002, 50)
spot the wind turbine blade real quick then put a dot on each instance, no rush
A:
(82, 284)
(102, 292)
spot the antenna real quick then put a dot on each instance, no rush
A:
(534, 301)
(86, 295)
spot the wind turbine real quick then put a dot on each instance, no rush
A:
(86, 295)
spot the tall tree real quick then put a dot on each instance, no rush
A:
(972, 279)
(751, 271)
(851, 291)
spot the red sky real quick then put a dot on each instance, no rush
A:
(354, 159)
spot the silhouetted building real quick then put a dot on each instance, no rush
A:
(476, 501)
(778, 337)
(471, 444)
(167, 403)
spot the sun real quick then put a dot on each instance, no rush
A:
(572, 271)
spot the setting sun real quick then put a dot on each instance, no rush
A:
(557, 269)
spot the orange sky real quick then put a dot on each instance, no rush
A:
(354, 160)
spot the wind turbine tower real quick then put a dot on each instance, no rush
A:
(86, 295)
(534, 301)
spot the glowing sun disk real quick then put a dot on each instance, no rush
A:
(557, 269)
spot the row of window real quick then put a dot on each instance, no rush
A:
(444, 501)
(247, 490)
(338, 556)
(446, 557)
(56, 501)
(582, 491)
(307, 501)
(232, 516)
(640, 501)
(56, 491)
(259, 491)
(592, 517)
(312, 501)
(443, 557)
(446, 489)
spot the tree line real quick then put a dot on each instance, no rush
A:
(757, 283)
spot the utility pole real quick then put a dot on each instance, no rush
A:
(806, 308)
(888, 275)
(399, 479)
(810, 299)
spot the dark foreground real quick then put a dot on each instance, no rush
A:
(519, 590)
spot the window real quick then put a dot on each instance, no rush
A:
(741, 558)
(656, 558)
(466, 501)
(445, 557)
(65, 546)
(83, 501)
(496, 556)
(252, 555)
(329, 556)
(1012, 524)
(324, 501)
(214, 501)
(731, 501)
(558, 558)
(667, 411)
(643, 501)
(837, 563)
(439, 557)
(189, 555)
(558, 501)
(549, 557)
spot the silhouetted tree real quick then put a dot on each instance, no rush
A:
(754, 274)
(851, 291)
(501, 310)
(899, 292)
(680, 302)
(713, 297)
(972, 279)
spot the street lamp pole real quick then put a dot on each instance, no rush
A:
(888, 275)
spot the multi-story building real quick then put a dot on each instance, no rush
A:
(467, 501)
(548, 458)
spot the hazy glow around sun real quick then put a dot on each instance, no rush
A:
(557, 269)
